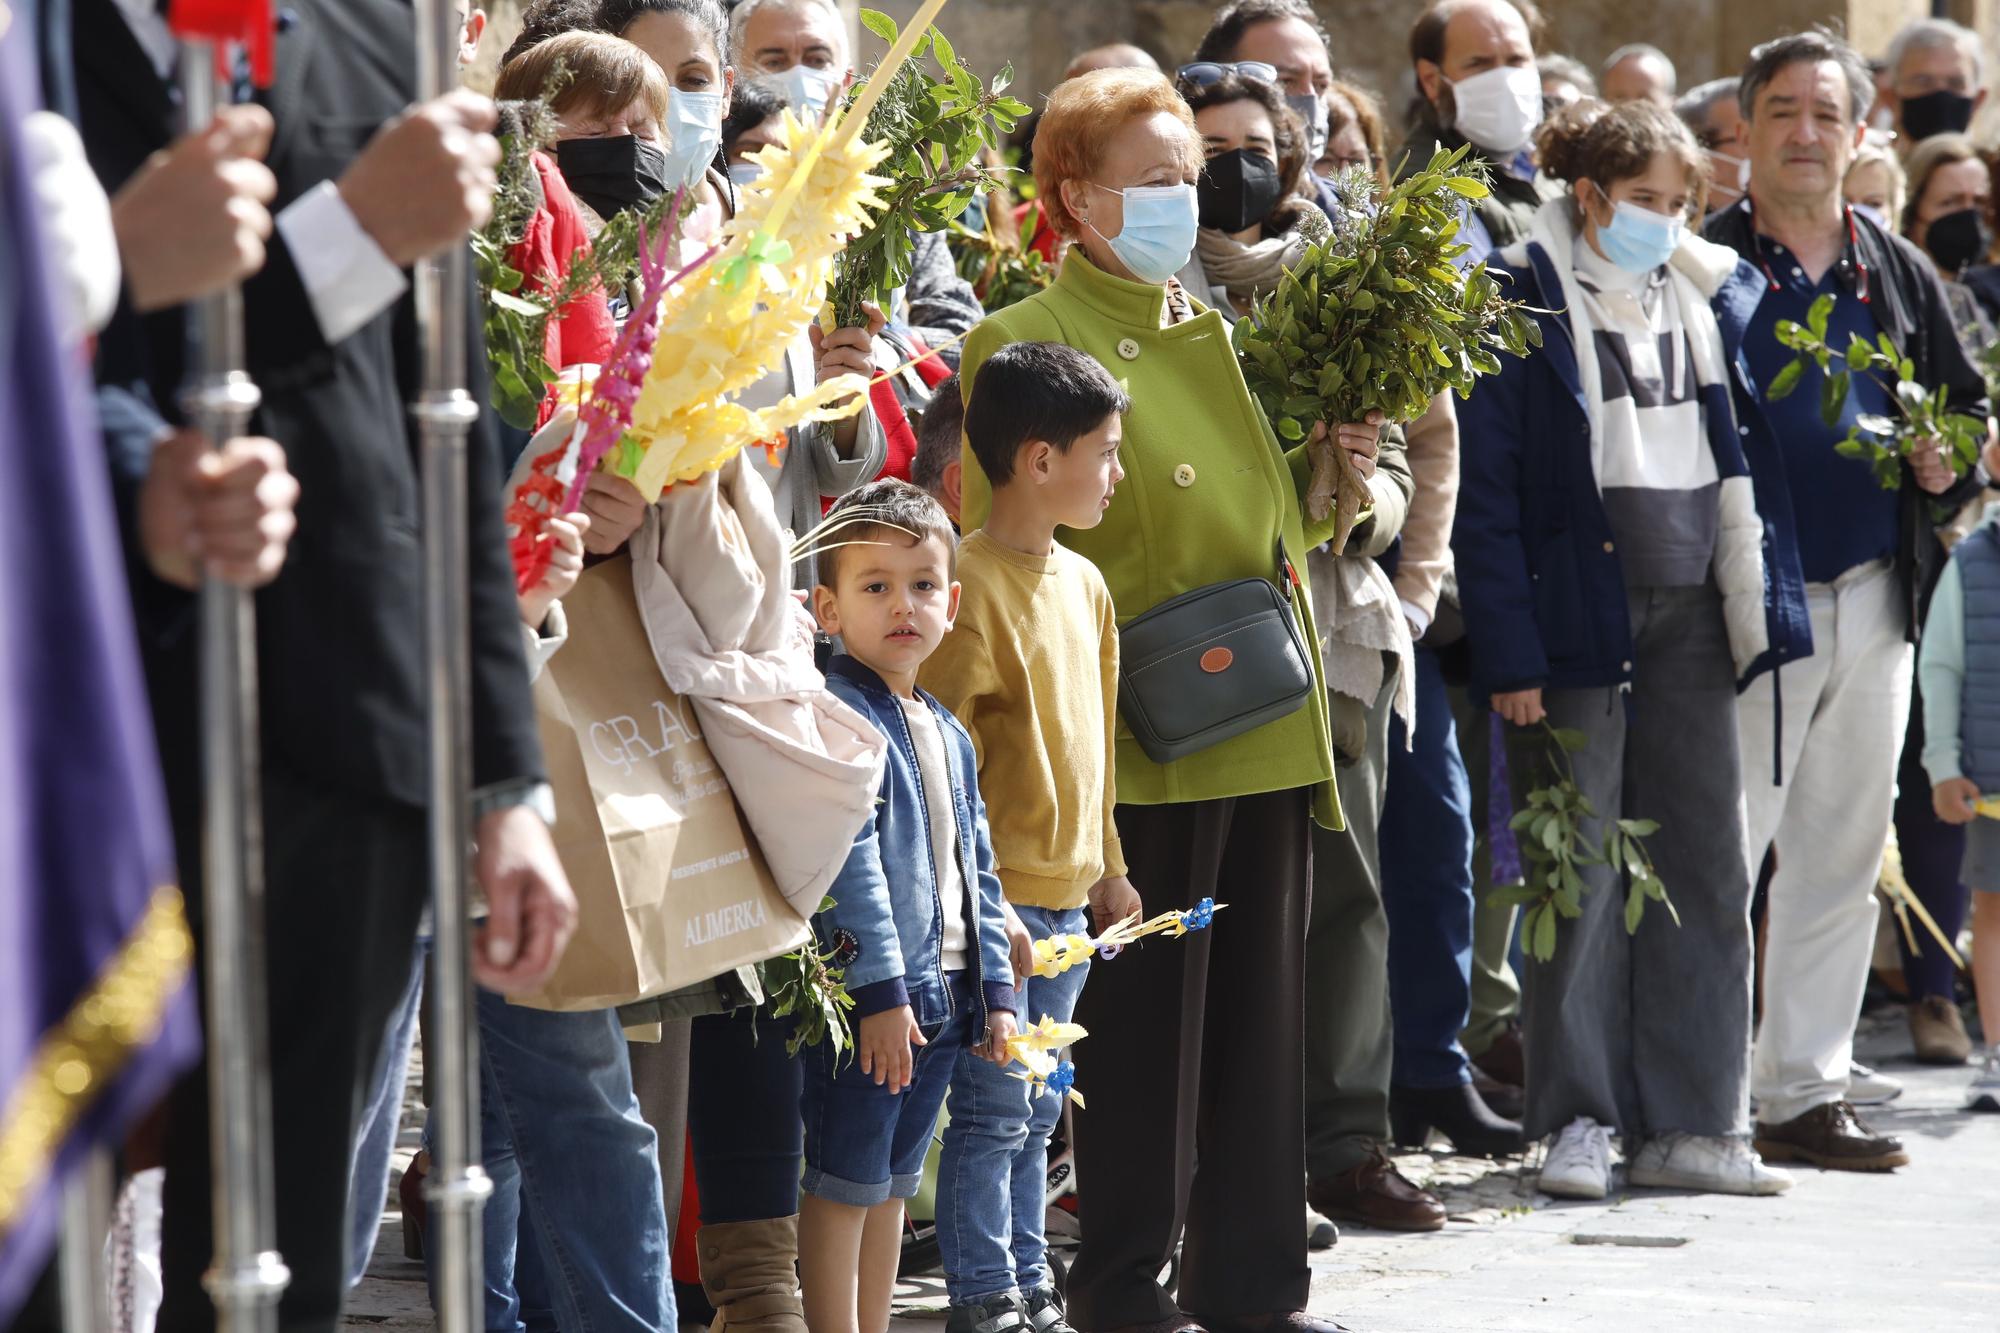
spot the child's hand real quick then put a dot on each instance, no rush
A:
(1955, 800)
(1000, 1027)
(886, 1043)
(1112, 899)
(565, 565)
(1020, 946)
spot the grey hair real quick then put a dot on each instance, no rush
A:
(1697, 105)
(1648, 50)
(1929, 35)
(1556, 65)
(1813, 46)
(739, 20)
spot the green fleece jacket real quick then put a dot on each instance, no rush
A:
(1207, 495)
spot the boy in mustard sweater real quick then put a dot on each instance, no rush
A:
(1031, 669)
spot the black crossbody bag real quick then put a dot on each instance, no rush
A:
(1211, 664)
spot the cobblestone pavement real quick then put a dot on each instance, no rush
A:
(1916, 1250)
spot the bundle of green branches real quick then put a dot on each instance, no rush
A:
(1556, 850)
(1377, 318)
(515, 315)
(1923, 419)
(936, 129)
(805, 986)
(1002, 272)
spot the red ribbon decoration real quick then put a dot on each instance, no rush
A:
(247, 22)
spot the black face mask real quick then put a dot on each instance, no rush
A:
(612, 175)
(1237, 190)
(1941, 112)
(1956, 239)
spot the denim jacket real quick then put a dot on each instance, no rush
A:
(884, 928)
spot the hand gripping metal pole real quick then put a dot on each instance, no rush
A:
(457, 1186)
(247, 1276)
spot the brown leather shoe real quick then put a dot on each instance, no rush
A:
(1504, 1059)
(1376, 1194)
(1937, 1030)
(1832, 1137)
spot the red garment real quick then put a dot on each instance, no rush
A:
(582, 331)
(1044, 243)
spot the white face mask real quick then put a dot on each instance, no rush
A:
(1499, 109)
(694, 132)
(808, 89)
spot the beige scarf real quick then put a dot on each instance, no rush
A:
(1249, 270)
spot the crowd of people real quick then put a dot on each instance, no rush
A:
(1101, 655)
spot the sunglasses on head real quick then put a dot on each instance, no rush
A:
(1208, 73)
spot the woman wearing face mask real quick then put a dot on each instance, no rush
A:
(1206, 1033)
(1875, 183)
(1610, 562)
(609, 144)
(1951, 190)
(1256, 215)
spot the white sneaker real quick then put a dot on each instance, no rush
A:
(1712, 1164)
(1578, 1165)
(1984, 1094)
(1321, 1233)
(1865, 1087)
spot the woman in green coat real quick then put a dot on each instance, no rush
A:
(1207, 1030)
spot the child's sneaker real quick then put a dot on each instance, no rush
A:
(1045, 1311)
(1714, 1164)
(1005, 1313)
(1579, 1162)
(1984, 1094)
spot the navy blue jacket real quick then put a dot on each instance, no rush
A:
(1538, 572)
(885, 928)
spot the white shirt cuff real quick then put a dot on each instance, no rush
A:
(347, 277)
(1420, 619)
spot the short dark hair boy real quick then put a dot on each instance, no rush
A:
(1032, 391)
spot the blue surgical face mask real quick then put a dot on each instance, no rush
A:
(745, 173)
(808, 90)
(694, 132)
(1158, 236)
(1312, 111)
(1639, 240)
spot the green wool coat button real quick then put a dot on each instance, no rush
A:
(1184, 475)
(1128, 348)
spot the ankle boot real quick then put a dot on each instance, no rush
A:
(416, 1213)
(750, 1271)
(1458, 1114)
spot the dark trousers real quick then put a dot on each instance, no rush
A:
(1347, 969)
(346, 883)
(743, 1115)
(1932, 852)
(1195, 1129)
(1427, 842)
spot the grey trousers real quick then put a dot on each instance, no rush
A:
(1650, 1033)
(1496, 991)
(1348, 1049)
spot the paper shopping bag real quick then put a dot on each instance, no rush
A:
(670, 888)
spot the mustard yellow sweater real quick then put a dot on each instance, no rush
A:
(1031, 669)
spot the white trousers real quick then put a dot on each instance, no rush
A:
(1841, 734)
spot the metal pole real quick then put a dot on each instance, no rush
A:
(247, 1276)
(86, 1221)
(457, 1186)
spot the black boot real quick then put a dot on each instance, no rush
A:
(1458, 1114)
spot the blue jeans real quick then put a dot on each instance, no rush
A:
(381, 1119)
(993, 1174)
(1426, 843)
(576, 1176)
(865, 1145)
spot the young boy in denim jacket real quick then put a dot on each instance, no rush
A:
(1031, 668)
(917, 918)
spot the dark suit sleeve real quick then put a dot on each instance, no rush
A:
(506, 744)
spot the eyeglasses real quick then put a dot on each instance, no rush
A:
(1208, 73)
